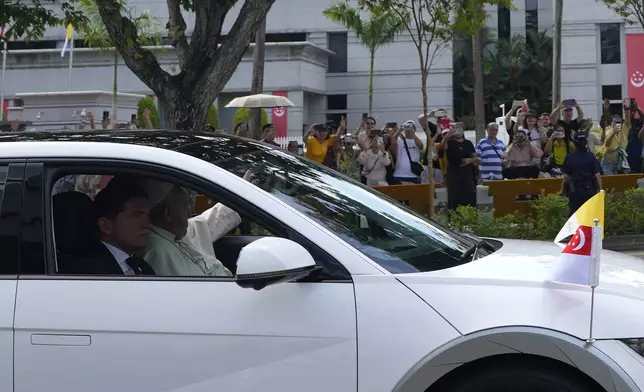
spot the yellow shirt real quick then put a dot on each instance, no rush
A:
(559, 151)
(619, 141)
(316, 150)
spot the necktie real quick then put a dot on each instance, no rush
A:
(139, 265)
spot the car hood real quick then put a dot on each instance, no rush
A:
(511, 287)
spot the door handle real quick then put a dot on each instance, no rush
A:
(60, 340)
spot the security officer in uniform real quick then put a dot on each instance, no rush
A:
(582, 178)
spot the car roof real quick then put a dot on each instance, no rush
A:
(216, 146)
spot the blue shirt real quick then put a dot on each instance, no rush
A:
(490, 156)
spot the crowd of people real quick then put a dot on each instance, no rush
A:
(539, 146)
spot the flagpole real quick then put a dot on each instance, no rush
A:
(4, 68)
(71, 60)
(591, 339)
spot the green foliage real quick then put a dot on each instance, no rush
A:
(380, 29)
(624, 214)
(518, 68)
(29, 19)
(96, 35)
(242, 115)
(627, 9)
(213, 117)
(147, 102)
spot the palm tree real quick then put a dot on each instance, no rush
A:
(380, 29)
(96, 36)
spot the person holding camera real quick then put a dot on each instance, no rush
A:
(406, 147)
(557, 149)
(374, 162)
(569, 124)
(319, 138)
(462, 162)
(582, 177)
(615, 160)
(520, 157)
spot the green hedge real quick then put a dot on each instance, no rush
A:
(624, 214)
(147, 102)
(242, 115)
(213, 117)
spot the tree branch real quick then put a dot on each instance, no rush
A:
(228, 56)
(205, 38)
(177, 28)
(141, 61)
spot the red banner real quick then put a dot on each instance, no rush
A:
(635, 66)
(279, 116)
(5, 109)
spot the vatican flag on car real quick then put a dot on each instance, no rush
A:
(592, 209)
(579, 262)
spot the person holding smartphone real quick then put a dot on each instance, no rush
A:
(570, 125)
(615, 160)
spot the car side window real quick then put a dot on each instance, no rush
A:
(103, 224)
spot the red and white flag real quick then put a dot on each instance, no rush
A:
(579, 261)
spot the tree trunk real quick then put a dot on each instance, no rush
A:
(556, 55)
(479, 99)
(207, 62)
(372, 57)
(430, 150)
(185, 109)
(257, 84)
(115, 88)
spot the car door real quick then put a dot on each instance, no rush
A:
(11, 177)
(90, 333)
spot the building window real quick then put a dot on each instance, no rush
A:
(22, 45)
(283, 37)
(337, 43)
(336, 102)
(614, 95)
(504, 22)
(610, 41)
(532, 15)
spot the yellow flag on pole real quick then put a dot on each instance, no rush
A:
(592, 209)
(68, 38)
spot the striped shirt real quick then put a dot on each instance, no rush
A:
(491, 166)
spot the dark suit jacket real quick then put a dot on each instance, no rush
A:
(101, 262)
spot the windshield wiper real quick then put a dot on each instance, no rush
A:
(473, 250)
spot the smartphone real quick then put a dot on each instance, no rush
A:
(391, 125)
(445, 122)
(517, 102)
(133, 118)
(633, 102)
(106, 114)
(569, 102)
(365, 115)
(376, 132)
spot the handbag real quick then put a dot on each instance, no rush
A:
(415, 167)
(365, 173)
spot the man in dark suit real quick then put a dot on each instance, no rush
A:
(123, 218)
(120, 212)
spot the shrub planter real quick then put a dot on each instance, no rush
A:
(624, 243)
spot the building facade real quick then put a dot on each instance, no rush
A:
(324, 70)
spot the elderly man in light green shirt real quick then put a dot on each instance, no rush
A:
(180, 246)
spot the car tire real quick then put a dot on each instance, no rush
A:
(514, 375)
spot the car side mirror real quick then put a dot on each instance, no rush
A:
(272, 260)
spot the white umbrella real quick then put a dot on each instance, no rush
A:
(260, 101)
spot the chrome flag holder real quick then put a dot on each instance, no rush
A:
(591, 339)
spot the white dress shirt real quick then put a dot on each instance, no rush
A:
(120, 257)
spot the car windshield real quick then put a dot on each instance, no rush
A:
(396, 237)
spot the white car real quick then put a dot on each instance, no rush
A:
(347, 291)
